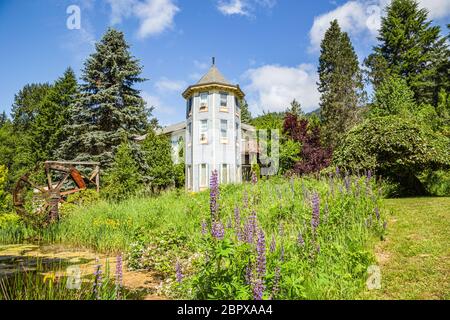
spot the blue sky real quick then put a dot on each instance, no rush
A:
(269, 47)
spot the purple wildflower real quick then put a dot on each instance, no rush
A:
(97, 279)
(229, 225)
(261, 254)
(369, 175)
(318, 248)
(276, 283)
(214, 196)
(377, 213)
(347, 182)
(258, 289)
(315, 220)
(273, 244)
(300, 240)
(178, 272)
(204, 227)
(250, 228)
(248, 273)
(217, 230)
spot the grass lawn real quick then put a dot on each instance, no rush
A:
(415, 257)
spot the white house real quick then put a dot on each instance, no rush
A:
(212, 135)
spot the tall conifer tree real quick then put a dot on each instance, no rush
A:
(108, 106)
(340, 84)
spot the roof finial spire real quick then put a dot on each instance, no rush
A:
(214, 61)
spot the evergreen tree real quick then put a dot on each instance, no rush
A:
(158, 157)
(246, 116)
(410, 48)
(123, 178)
(3, 119)
(108, 105)
(47, 130)
(296, 109)
(340, 84)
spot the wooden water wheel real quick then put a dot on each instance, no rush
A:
(38, 193)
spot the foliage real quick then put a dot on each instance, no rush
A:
(122, 179)
(295, 109)
(108, 106)
(393, 97)
(158, 157)
(5, 198)
(340, 84)
(179, 174)
(268, 120)
(246, 116)
(394, 147)
(410, 47)
(289, 155)
(314, 157)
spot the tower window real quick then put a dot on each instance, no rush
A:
(203, 102)
(203, 131)
(223, 101)
(189, 108)
(224, 173)
(203, 175)
(224, 131)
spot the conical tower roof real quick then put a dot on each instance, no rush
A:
(213, 79)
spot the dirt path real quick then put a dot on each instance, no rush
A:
(415, 257)
(141, 284)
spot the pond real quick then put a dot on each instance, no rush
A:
(29, 271)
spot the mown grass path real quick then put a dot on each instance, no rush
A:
(415, 256)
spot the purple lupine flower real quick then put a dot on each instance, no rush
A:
(254, 178)
(276, 283)
(250, 228)
(273, 244)
(282, 253)
(249, 273)
(369, 175)
(217, 230)
(300, 240)
(119, 275)
(214, 196)
(261, 254)
(347, 182)
(237, 224)
(315, 219)
(245, 199)
(97, 279)
(204, 228)
(178, 272)
(377, 213)
(258, 289)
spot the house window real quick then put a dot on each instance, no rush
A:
(189, 108)
(223, 131)
(203, 102)
(238, 106)
(224, 173)
(203, 131)
(203, 175)
(189, 138)
(223, 102)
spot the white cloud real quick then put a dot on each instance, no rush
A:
(242, 7)
(362, 18)
(155, 16)
(161, 110)
(273, 87)
(437, 8)
(166, 85)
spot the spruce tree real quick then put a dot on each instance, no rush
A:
(246, 116)
(3, 119)
(108, 106)
(295, 109)
(340, 84)
(408, 47)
